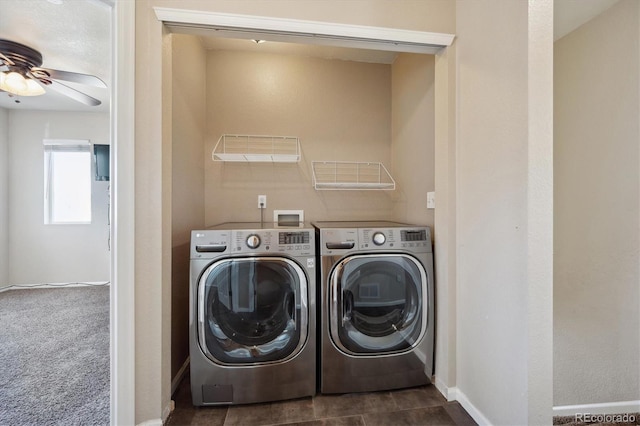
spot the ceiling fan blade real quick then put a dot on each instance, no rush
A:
(73, 93)
(74, 77)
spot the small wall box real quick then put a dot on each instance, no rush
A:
(288, 217)
(256, 148)
(101, 157)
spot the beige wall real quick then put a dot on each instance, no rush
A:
(596, 245)
(4, 197)
(413, 136)
(340, 110)
(188, 126)
(444, 228)
(504, 151)
(152, 262)
(62, 253)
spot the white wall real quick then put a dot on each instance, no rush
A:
(597, 186)
(188, 125)
(504, 148)
(53, 253)
(4, 197)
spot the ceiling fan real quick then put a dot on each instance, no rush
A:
(21, 75)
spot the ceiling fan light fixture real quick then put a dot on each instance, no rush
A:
(16, 84)
(22, 75)
(33, 88)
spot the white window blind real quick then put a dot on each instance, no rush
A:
(67, 181)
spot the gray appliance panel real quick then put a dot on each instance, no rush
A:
(295, 377)
(340, 372)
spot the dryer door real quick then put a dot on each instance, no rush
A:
(378, 303)
(252, 310)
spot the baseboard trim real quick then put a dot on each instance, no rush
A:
(455, 394)
(167, 410)
(165, 414)
(179, 375)
(447, 392)
(154, 422)
(469, 407)
(620, 407)
(52, 285)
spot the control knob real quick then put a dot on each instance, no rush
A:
(253, 241)
(379, 238)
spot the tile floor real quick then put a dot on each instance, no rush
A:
(416, 406)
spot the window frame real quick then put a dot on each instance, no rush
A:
(50, 147)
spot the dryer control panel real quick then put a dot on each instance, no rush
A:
(411, 239)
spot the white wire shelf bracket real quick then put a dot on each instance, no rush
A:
(346, 175)
(257, 149)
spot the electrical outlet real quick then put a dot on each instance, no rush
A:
(262, 201)
(431, 200)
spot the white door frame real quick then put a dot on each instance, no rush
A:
(122, 330)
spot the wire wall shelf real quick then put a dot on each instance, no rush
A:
(258, 149)
(344, 175)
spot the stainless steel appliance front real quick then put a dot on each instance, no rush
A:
(376, 306)
(252, 326)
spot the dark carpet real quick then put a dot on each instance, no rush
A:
(54, 356)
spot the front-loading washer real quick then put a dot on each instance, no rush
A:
(376, 307)
(252, 313)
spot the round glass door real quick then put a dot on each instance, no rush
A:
(377, 303)
(252, 310)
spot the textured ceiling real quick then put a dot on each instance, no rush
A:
(72, 36)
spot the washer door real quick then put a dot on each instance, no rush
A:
(252, 310)
(377, 304)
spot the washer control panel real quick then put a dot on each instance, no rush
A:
(379, 238)
(335, 241)
(295, 243)
(213, 243)
(208, 244)
(253, 241)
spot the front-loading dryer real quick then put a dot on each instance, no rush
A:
(376, 309)
(252, 313)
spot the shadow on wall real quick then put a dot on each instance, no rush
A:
(179, 307)
(268, 175)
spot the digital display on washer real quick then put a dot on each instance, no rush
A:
(294, 238)
(413, 235)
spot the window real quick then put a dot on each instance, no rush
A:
(67, 181)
